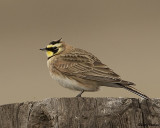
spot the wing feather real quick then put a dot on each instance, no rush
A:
(79, 63)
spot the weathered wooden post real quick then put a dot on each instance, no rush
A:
(82, 113)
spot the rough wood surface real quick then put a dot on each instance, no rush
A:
(82, 113)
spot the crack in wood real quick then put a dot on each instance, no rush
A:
(17, 113)
(30, 110)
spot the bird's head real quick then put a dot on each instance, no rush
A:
(54, 48)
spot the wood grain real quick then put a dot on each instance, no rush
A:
(82, 113)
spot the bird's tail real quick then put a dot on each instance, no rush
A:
(135, 91)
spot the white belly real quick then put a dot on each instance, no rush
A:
(68, 83)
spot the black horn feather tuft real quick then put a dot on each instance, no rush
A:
(55, 42)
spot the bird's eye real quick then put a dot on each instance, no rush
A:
(54, 49)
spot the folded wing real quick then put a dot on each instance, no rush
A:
(79, 63)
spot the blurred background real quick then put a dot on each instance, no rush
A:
(123, 34)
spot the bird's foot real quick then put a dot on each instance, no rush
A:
(79, 95)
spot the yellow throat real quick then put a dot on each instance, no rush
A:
(49, 53)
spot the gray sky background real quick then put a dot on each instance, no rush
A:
(123, 34)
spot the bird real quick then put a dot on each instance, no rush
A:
(79, 70)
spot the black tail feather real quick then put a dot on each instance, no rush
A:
(135, 91)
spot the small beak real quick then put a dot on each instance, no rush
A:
(43, 49)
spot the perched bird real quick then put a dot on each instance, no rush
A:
(80, 70)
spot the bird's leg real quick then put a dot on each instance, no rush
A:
(79, 95)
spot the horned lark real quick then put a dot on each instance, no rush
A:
(80, 70)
